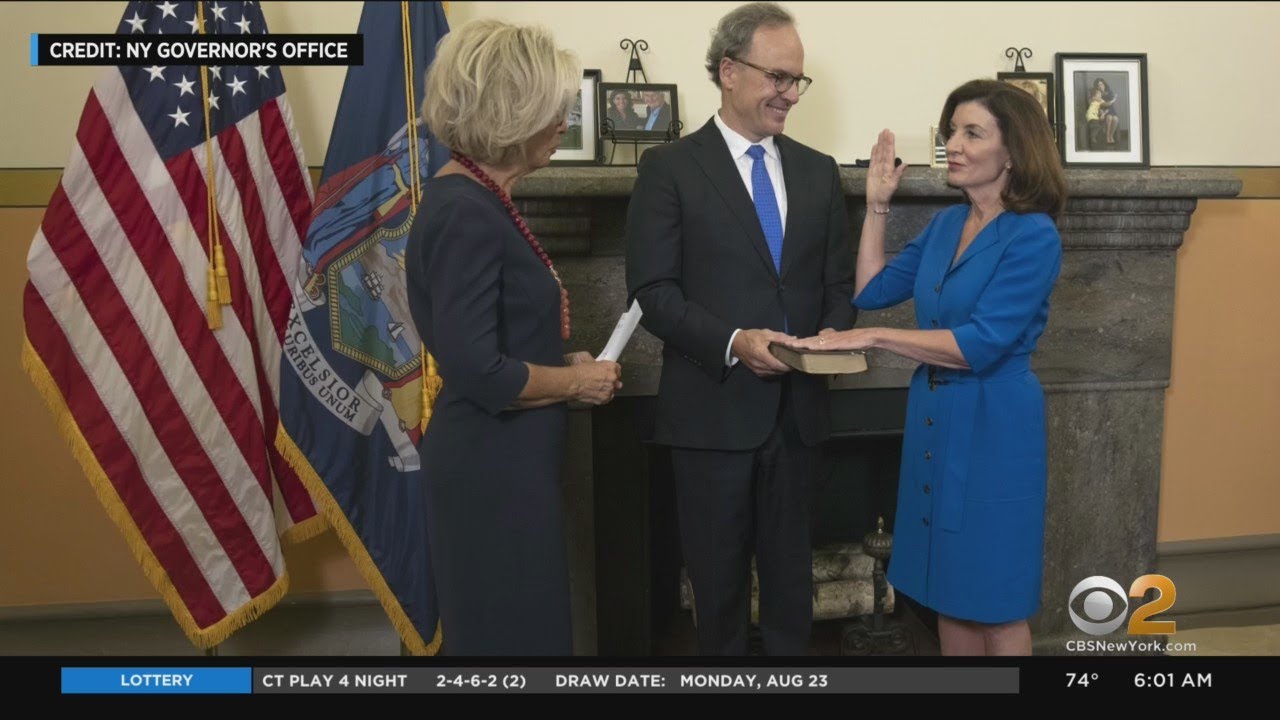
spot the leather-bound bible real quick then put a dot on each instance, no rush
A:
(821, 362)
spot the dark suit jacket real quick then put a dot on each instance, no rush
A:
(699, 265)
(662, 123)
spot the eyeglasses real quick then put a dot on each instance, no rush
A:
(782, 82)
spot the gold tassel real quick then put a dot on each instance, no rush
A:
(219, 283)
(224, 281)
(214, 308)
(432, 383)
(431, 387)
(214, 312)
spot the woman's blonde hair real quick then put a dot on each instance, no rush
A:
(494, 85)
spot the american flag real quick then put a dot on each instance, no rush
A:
(172, 421)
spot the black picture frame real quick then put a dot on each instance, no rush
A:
(1037, 84)
(1111, 128)
(581, 144)
(633, 125)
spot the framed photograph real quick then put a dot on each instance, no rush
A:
(1037, 85)
(581, 143)
(939, 159)
(639, 111)
(1102, 110)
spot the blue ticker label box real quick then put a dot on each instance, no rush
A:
(158, 681)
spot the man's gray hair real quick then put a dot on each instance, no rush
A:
(732, 37)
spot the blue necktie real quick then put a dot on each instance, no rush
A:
(767, 210)
(766, 205)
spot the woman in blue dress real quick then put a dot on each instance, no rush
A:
(969, 528)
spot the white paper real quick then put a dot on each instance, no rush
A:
(621, 333)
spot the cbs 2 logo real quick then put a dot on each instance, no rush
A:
(1103, 596)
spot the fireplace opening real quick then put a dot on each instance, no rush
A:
(638, 557)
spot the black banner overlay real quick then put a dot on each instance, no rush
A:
(218, 50)
(1029, 677)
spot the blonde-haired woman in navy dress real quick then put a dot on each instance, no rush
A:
(488, 304)
(969, 528)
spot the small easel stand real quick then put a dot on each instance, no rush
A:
(1020, 73)
(635, 73)
(1018, 54)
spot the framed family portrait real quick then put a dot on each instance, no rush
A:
(639, 111)
(581, 142)
(1102, 110)
(1037, 85)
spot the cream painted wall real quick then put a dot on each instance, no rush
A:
(1212, 66)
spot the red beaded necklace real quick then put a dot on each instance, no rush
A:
(523, 227)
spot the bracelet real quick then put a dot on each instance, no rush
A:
(878, 212)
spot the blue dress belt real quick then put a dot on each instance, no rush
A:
(963, 388)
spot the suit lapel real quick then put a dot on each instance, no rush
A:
(712, 155)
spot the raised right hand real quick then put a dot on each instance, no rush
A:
(597, 381)
(882, 176)
(752, 348)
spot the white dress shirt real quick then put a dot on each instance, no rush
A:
(773, 163)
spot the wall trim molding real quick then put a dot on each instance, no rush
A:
(1242, 543)
(32, 187)
(1222, 574)
(136, 608)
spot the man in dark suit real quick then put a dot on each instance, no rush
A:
(736, 237)
(658, 112)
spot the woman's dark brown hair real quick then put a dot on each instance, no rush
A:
(1036, 182)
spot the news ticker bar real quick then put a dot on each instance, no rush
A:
(536, 680)
(149, 50)
(1068, 675)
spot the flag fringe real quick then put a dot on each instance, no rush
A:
(312, 527)
(200, 637)
(350, 539)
